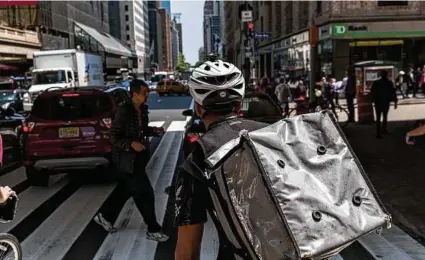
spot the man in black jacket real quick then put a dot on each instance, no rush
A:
(129, 154)
(383, 92)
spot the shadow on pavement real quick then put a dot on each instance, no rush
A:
(397, 171)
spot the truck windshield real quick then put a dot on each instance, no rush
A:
(49, 77)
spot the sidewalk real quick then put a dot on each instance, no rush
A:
(396, 170)
(420, 99)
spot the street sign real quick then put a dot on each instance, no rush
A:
(246, 16)
(262, 36)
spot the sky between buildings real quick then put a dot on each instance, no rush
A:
(192, 15)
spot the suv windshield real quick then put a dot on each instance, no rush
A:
(69, 107)
(49, 77)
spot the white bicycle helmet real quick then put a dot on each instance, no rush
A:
(216, 84)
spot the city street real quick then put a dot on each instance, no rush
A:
(56, 222)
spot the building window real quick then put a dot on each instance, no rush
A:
(126, 8)
(127, 28)
(126, 18)
(392, 3)
(128, 37)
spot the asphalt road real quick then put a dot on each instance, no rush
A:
(56, 222)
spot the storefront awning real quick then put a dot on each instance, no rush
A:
(109, 43)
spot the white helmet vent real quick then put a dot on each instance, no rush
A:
(210, 79)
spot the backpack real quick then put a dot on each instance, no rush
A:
(291, 190)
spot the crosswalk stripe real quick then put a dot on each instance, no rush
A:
(155, 124)
(32, 198)
(52, 239)
(380, 248)
(210, 243)
(399, 238)
(14, 177)
(130, 241)
(337, 257)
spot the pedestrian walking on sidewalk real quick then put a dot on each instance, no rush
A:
(130, 157)
(383, 92)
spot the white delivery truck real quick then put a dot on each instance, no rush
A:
(63, 69)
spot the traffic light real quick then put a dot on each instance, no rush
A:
(250, 31)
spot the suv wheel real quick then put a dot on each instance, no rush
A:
(37, 178)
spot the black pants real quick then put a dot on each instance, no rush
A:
(336, 96)
(350, 106)
(137, 186)
(381, 110)
(412, 88)
(399, 88)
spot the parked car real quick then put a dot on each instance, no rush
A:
(11, 126)
(171, 87)
(12, 99)
(255, 106)
(68, 131)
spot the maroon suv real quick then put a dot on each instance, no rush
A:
(68, 130)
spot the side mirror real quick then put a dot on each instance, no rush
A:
(187, 112)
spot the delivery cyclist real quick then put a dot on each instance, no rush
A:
(217, 88)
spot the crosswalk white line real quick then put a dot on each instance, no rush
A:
(337, 257)
(130, 241)
(400, 239)
(380, 248)
(156, 123)
(210, 243)
(55, 236)
(14, 177)
(32, 198)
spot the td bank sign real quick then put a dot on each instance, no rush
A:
(344, 29)
(399, 29)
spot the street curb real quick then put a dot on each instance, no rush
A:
(399, 104)
(405, 225)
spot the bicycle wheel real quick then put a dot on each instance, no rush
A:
(292, 112)
(10, 248)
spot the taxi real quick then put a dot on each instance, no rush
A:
(171, 87)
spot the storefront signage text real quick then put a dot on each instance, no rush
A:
(389, 29)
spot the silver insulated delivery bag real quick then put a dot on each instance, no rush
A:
(292, 190)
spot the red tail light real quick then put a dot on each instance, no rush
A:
(193, 137)
(107, 122)
(70, 95)
(28, 127)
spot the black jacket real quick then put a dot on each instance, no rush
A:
(383, 92)
(192, 200)
(125, 129)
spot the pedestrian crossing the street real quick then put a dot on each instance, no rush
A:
(51, 221)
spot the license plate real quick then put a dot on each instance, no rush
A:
(69, 132)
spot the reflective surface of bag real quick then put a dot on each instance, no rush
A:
(293, 190)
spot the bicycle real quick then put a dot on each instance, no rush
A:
(303, 107)
(10, 248)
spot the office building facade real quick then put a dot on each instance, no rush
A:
(155, 36)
